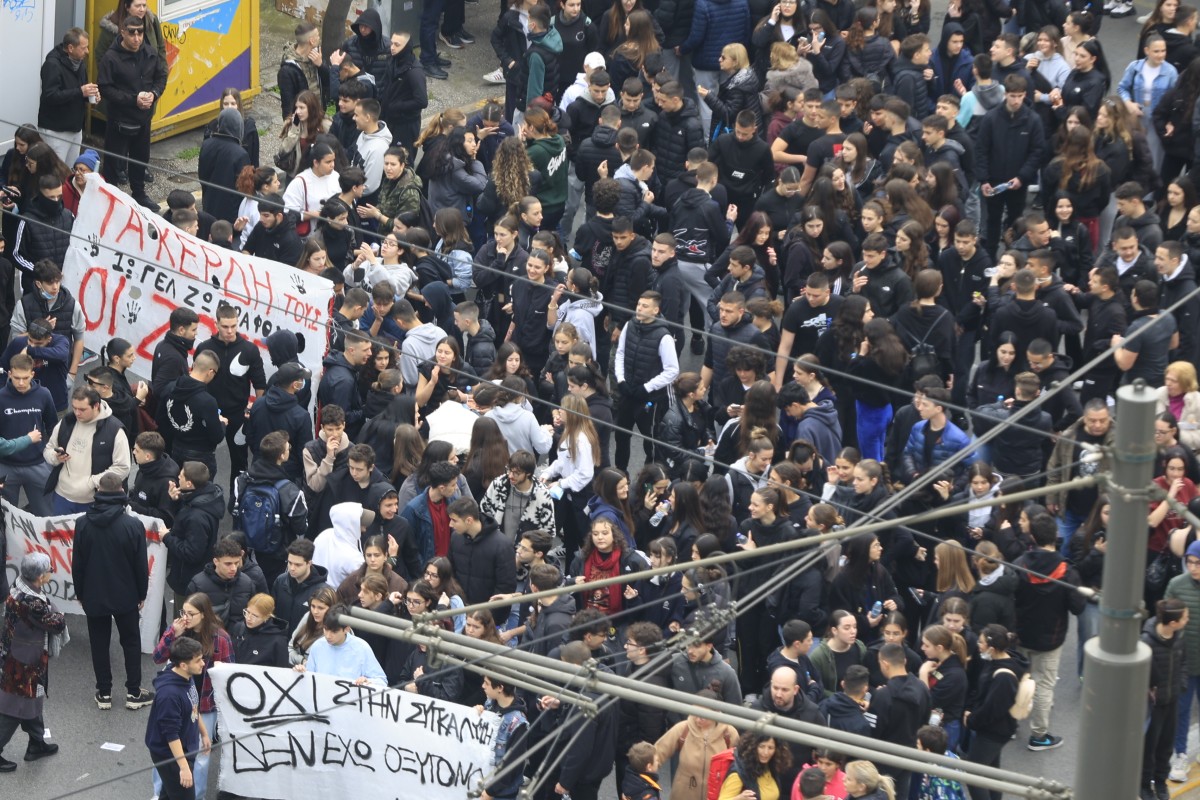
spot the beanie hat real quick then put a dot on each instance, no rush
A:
(89, 158)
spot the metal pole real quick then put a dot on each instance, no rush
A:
(682, 703)
(1116, 663)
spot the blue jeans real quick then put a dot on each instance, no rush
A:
(431, 15)
(1190, 690)
(872, 428)
(1068, 523)
(61, 505)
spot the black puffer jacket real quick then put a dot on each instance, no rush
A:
(264, 646)
(43, 232)
(1167, 673)
(737, 92)
(229, 596)
(908, 83)
(190, 543)
(404, 95)
(372, 51)
(873, 61)
(675, 133)
(151, 489)
(675, 19)
(63, 106)
(483, 564)
(122, 75)
(279, 410)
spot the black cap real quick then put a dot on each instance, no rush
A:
(290, 372)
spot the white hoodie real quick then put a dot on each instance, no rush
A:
(338, 549)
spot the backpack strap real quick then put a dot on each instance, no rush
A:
(929, 330)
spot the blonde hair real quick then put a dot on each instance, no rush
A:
(578, 422)
(953, 571)
(1185, 373)
(736, 53)
(783, 56)
(263, 603)
(864, 772)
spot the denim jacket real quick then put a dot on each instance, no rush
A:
(1132, 88)
(512, 721)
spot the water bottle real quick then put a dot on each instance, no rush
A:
(877, 609)
(660, 514)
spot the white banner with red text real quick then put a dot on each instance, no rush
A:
(55, 536)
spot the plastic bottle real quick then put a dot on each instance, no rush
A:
(877, 609)
(660, 514)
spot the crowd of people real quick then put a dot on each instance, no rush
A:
(877, 245)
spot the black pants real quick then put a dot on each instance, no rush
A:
(573, 516)
(453, 17)
(237, 452)
(129, 634)
(172, 789)
(964, 359)
(635, 412)
(985, 750)
(8, 726)
(137, 147)
(1010, 203)
(1159, 744)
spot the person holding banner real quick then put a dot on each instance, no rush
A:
(343, 655)
(112, 576)
(33, 630)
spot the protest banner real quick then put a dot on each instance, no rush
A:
(129, 269)
(293, 734)
(55, 536)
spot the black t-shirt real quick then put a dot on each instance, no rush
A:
(843, 661)
(807, 324)
(824, 149)
(799, 136)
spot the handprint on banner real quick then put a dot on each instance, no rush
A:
(94, 249)
(298, 284)
(132, 309)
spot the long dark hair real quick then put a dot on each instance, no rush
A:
(847, 328)
(886, 348)
(715, 507)
(435, 452)
(605, 487)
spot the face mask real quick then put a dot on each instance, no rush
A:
(46, 295)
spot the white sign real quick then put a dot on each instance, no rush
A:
(131, 269)
(294, 734)
(55, 536)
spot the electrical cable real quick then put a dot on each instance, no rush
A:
(683, 327)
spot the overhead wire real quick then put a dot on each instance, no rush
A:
(683, 327)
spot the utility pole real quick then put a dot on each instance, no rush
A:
(1117, 663)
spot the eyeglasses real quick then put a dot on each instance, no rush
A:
(414, 601)
(433, 576)
(1158, 432)
(513, 472)
(189, 614)
(250, 615)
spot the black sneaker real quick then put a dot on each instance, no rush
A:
(149, 176)
(465, 37)
(452, 41)
(143, 698)
(7, 766)
(434, 71)
(1045, 742)
(697, 345)
(103, 701)
(442, 61)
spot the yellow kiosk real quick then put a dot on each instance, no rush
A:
(211, 45)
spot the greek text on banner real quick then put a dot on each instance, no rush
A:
(55, 536)
(129, 269)
(295, 734)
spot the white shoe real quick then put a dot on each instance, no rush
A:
(1122, 10)
(1142, 19)
(1109, 5)
(1179, 768)
(495, 76)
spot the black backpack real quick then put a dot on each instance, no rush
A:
(925, 359)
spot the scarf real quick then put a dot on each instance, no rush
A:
(991, 577)
(53, 643)
(597, 567)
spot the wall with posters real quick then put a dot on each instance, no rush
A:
(129, 268)
(55, 536)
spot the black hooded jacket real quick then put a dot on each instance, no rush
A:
(189, 418)
(404, 95)
(108, 562)
(279, 410)
(170, 362)
(291, 596)
(372, 51)
(675, 133)
(339, 387)
(190, 542)
(222, 158)
(699, 227)
(151, 495)
(280, 243)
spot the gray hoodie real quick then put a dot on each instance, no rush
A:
(521, 429)
(419, 346)
(371, 147)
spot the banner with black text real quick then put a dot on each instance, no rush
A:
(293, 734)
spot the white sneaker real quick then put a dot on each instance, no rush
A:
(1179, 768)
(495, 76)
(1109, 5)
(1122, 10)
(1142, 19)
